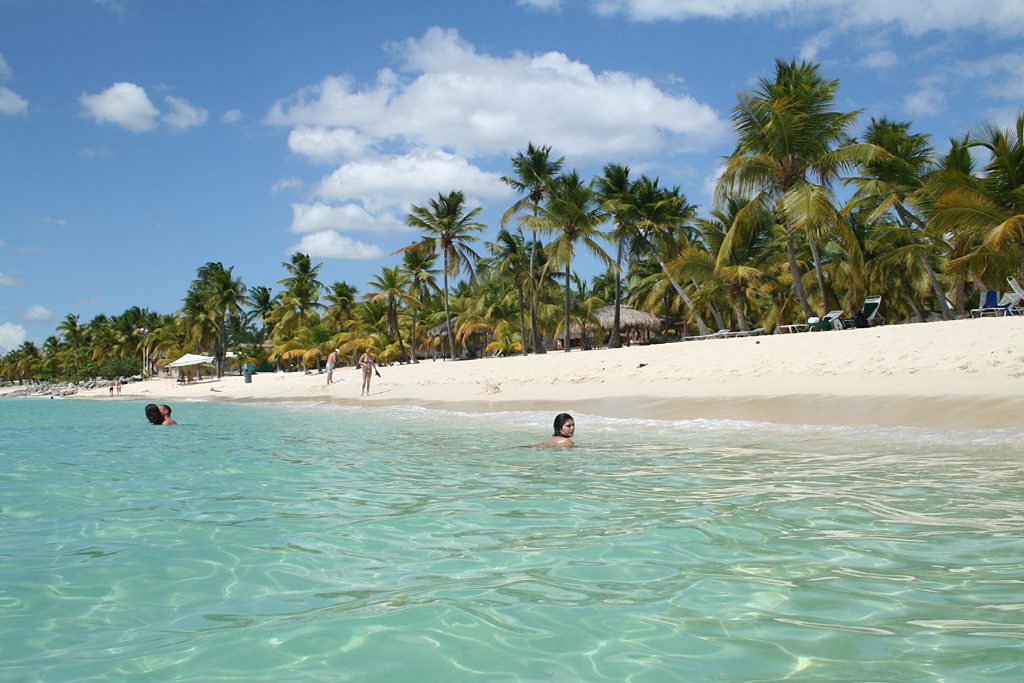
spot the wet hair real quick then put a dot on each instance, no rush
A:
(560, 420)
(153, 414)
(168, 409)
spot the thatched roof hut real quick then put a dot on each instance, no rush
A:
(628, 318)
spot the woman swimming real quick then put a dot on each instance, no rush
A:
(565, 427)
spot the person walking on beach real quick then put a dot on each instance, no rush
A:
(332, 362)
(117, 385)
(565, 427)
(369, 365)
(110, 385)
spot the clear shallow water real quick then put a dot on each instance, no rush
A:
(315, 543)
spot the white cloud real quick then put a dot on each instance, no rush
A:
(285, 184)
(10, 281)
(123, 104)
(543, 5)
(329, 244)
(924, 102)
(183, 114)
(474, 104)
(231, 116)
(347, 217)
(62, 222)
(913, 17)
(94, 152)
(326, 144)
(815, 44)
(87, 301)
(11, 336)
(397, 182)
(1003, 75)
(5, 70)
(880, 59)
(12, 103)
(37, 313)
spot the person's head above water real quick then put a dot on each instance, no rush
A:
(154, 415)
(564, 425)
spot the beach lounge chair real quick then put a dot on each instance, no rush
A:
(992, 304)
(721, 334)
(748, 333)
(867, 315)
(833, 320)
(1014, 307)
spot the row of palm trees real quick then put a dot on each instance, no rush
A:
(806, 218)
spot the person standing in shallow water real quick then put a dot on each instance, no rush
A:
(565, 427)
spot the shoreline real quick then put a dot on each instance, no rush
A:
(963, 374)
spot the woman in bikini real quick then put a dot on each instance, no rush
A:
(368, 363)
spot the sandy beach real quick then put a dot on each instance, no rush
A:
(959, 374)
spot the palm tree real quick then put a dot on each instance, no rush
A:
(741, 246)
(340, 298)
(418, 265)
(572, 211)
(447, 229)
(655, 214)
(389, 287)
(261, 306)
(509, 254)
(991, 208)
(791, 147)
(895, 183)
(534, 172)
(221, 294)
(301, 292)
(613, 187)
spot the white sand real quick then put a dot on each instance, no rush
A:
(960, 374)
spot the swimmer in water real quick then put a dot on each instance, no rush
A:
(565, 427)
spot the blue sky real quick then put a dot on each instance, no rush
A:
(139, 140)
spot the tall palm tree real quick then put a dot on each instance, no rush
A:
(340, 299)
(533, 172)
(509, 254)
(301, 292)
(656, 214)
(418, 265)
(792, 146)
(613, 188)
(991, 208)
(221, 294)
(261, 306)
(894, 184)
(573, 213)
(389, 286)
(448, 230)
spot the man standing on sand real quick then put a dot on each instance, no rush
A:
(332, 361)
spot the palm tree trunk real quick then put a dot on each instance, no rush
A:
(568, 302)
(615, 341)
(819, 274)
(794, 272)
(737, 302)
(447, 313)
(537, 346)
(522, 314)
(936, 287)
(412, 339)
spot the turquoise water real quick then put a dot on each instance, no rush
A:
(318, 543)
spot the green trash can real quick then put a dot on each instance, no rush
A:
(248, 377)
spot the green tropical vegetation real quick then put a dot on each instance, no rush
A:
(806, 217)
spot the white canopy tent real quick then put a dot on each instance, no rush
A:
(190, 359)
